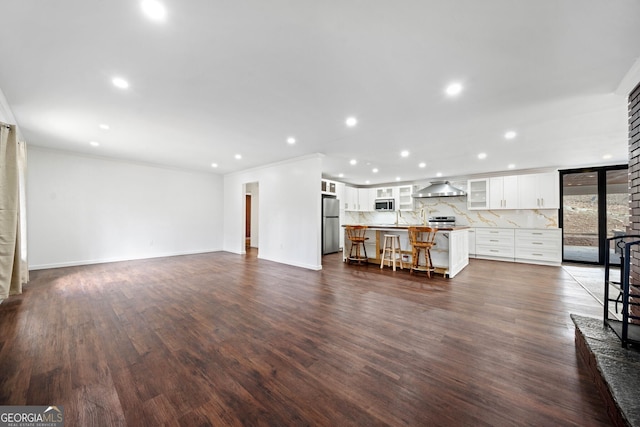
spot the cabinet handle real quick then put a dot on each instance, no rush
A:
(536, 243)
(537, 254)
(537, 234)
(541, 202)
(493, 250)
(494, 240)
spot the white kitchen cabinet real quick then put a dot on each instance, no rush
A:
(451, 251)
(358, 199)
(478, 194)
(472, 242)
(384, 193)
(340, 186)
(366, 199)
(539, 191)
(495, 243)
(538, 246)
(533, 246)
(404, 200)
(350, 198)
(328, 187)
(503, 192)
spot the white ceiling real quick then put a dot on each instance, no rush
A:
(219, 78)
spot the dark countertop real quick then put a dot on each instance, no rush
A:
(406, 226)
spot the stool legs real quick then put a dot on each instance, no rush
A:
(391, 247)
(415, 258)
(358, 257)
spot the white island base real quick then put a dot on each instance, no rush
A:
(449, 256)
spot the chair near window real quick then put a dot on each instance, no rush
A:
(356, 235)
(422, 239)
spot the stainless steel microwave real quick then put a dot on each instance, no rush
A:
(385, 205)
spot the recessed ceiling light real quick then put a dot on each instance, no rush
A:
(154, 10)
(214, 165)
(340, 175)
(404, 153)
(351, 122)
(353, 161)
(291, 140)
(104, 127)
(422, 165)
(120, 82)
(374, 170)
(397, 178)
(238, 156)
(482, 156)
(367, 182)
(607, 156)
(510, 134)
(439, 174)
(94, 143)
(453, 89)
(511, 166)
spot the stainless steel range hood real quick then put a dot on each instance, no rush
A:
(438, 189)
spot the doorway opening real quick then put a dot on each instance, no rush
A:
(247, 222)
(251, 217)
(595, 206)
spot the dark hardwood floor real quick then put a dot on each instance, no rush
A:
(224, 339)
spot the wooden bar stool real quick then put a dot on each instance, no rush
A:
(356, 234)
(391, 247)
(422, 239)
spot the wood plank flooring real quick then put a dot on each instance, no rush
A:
(223, 339)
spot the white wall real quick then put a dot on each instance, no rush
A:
(289, 211)
(84, 210)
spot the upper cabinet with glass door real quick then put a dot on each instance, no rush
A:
(404, 200)
(478, 194)
(384, 193)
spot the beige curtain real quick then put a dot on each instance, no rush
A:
(14, 270)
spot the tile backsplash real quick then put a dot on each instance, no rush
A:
(457, 206)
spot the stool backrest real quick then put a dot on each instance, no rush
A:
(422, 235)
(356, 232)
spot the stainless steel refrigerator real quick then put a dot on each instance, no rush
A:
(330, 225)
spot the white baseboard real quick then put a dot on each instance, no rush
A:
(115, 259)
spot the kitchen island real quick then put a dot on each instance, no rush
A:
(449, 256)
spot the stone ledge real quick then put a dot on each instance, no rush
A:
(614, 369)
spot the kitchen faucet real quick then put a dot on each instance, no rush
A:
(398, 216)
(423, 216)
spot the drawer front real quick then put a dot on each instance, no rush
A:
(552, 234)
(498, 251)
(538, 244)
(482, 233)
(539, 255)
(495, 241)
